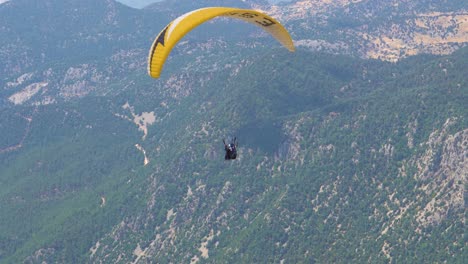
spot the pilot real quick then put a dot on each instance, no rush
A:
(231, 150)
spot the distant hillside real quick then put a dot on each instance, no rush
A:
(342, 157)
(387, 30)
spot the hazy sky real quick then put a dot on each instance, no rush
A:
(137, 3)
(143, 3)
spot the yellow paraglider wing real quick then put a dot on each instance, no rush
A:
(177, 29)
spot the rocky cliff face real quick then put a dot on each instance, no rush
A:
(342, 159)
(387, 30)
(379, 177)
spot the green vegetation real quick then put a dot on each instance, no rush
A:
(323, 139)
(341, 159)
(51, 188)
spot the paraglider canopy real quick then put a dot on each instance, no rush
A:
(179, 27)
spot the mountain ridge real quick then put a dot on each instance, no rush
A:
(341, 158)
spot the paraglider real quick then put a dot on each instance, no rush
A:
(179, 27)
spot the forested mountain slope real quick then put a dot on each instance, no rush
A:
(360, 160)
(341, 158)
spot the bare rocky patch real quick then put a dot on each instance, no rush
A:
(27, 93)
(143, 120)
